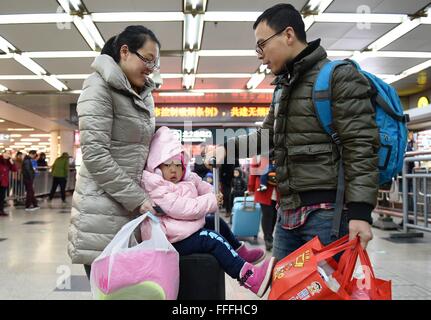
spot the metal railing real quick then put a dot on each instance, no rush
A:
(42, 184)
(390, 201)
(420, 190)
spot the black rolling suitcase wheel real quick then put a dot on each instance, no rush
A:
(201, 277)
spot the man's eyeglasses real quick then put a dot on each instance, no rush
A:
(260, 45)
(151, 65)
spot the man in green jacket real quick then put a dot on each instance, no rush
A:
(60, 171)
(306, 157)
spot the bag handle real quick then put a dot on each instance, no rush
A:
(365, 262)
(326, 253)
(336, 243)
(245, 201)
(347, 266)
(127, 230)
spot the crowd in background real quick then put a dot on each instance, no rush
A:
(24, 168)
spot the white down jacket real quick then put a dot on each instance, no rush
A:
(116, 126)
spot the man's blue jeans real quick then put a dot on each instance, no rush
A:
(318, 223)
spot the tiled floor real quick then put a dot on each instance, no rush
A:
(34, 263)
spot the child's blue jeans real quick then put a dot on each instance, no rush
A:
(221, 245)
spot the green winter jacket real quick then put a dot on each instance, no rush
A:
(60, 168)
(307, 159)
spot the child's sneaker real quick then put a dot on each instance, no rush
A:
(262, 188)
(253, 256)
(257, 278)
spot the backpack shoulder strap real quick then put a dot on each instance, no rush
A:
(322, 101)
(322, 95)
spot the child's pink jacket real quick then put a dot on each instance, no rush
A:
(185, 203)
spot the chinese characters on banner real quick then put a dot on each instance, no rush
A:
(212, 112)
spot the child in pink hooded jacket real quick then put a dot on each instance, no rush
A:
(185, 201)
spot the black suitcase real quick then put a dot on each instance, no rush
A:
(201, 277)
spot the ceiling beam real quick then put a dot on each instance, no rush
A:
(26, 118)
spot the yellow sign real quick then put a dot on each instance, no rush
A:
(249, 112)
(423, 102)
(211, 112)
(187, 112)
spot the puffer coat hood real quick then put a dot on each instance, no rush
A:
(164, 146)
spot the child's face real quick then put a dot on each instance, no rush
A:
(172, 171)
(236, 173)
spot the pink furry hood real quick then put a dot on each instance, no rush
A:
(164, 146)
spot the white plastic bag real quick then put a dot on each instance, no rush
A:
(326, 271)
(394, 194)
(149, 270)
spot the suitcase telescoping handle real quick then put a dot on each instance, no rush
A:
(213, 163)
(253, 206)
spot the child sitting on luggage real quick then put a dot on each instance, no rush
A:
(185, 201)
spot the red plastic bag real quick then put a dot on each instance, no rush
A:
(302, 275)
(370, 287)
(297, 277)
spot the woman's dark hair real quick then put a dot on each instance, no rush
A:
(133, 36)
(281, 16)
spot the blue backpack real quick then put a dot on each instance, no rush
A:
(390, 119)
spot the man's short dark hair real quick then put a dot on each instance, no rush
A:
(281, 16)
(32, 152)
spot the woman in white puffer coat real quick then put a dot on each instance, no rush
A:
(116, 123)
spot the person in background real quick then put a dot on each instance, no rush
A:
(268, 177)
(226, 176)
(208, 178)
(41, 162)
(411, 146)
(200, 168)
(18, 188)
(34, 163)
(267, 198)
(239, 186)
(6, 165)
(19, 157)
(60, 171)
(28, 177)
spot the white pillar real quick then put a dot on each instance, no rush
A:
(66, 142)
(54, 148)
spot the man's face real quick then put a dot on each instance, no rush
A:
(277, 51)
(33, 155)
